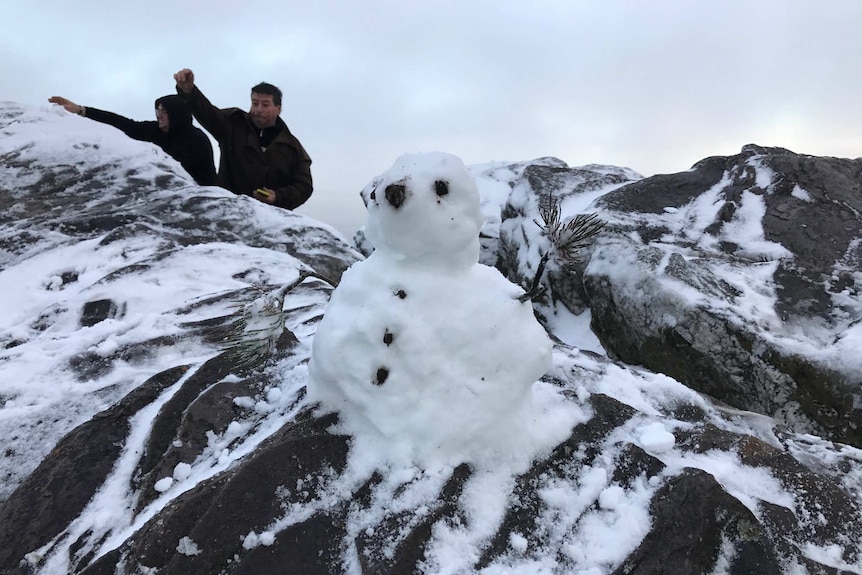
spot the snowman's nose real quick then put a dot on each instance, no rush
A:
(395, 194)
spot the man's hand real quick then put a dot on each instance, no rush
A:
(265, 195)
(68, 104)
(185, 80)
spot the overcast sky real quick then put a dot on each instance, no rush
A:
(653, 85)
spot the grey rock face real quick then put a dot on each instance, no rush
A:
(694, 514)
(57, 491)
(49, 201)
(788, 227)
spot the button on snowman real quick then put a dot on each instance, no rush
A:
(420, 342)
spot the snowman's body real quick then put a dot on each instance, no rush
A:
(420, 333)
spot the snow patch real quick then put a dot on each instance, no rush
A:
(188, 547)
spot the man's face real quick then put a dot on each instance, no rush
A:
(162, 119)
(263, 111)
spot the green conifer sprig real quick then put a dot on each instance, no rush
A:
(567, 240)
(255, 328)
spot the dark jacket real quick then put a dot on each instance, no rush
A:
(244, 166)
(183, 142)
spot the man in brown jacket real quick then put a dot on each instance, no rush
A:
(259, 156)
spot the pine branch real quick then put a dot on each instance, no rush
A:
(536, 289)
(255, 330)
(256, 327)
(567, 240)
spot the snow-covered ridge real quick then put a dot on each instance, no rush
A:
(186, 462)
(94, 220)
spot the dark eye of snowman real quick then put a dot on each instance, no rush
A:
(396, 194)
(441, 187)
(374, 195)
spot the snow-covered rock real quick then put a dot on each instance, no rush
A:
(105, 242)
(522, 241)
(120, 282)
(739, 277)
(742, 278)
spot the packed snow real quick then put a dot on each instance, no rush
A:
(422, 343)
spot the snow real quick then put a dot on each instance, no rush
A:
(800, 193)
(746, 229)
(37, 381)
(182, 471)
(830, 555)
(188, 547)
(575, 330)
(422, 323)
(764, 176)
(654, 438)
(464, 323)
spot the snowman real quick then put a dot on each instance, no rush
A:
(420, 343)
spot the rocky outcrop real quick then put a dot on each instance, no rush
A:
(293, 500)
(741, 279)
(140, 439)
(522, 240)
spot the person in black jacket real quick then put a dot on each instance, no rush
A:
(172, 131)
(260, 157)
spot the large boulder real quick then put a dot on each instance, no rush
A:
(740, 278)
(656, 476)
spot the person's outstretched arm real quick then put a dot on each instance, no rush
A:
(214, 120)
(144, 131)
(68, 104)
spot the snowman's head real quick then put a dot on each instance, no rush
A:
(426, 207)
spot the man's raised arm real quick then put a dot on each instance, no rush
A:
(214, 120)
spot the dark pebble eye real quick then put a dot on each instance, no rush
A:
(395, 195)
(441, 187)
(374, 195)
(382, 374)
(401, 294)
(388, 337)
